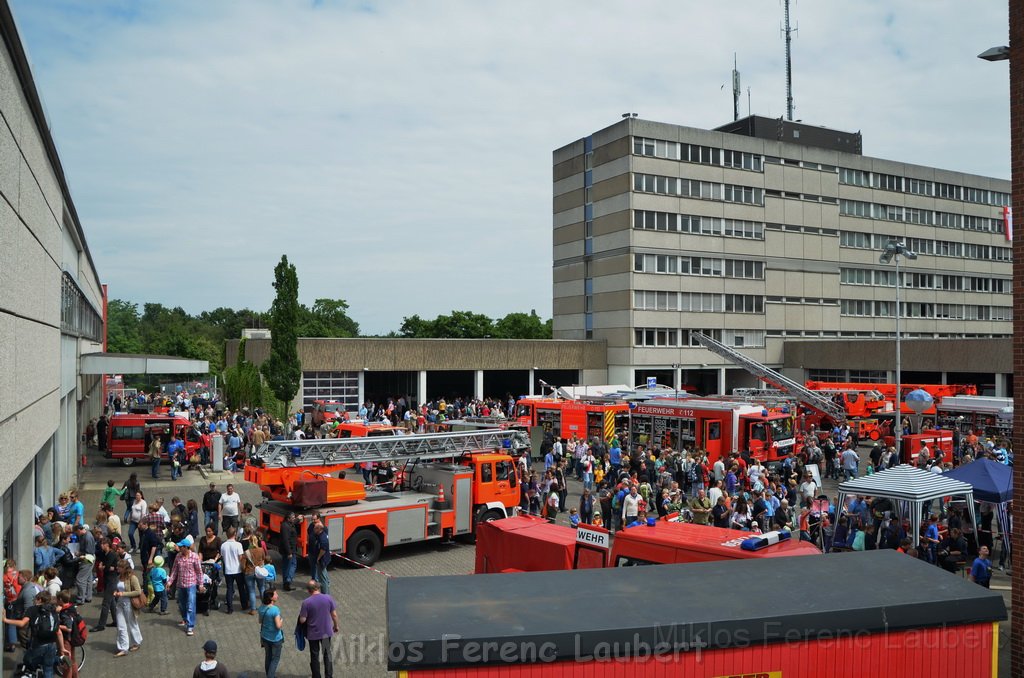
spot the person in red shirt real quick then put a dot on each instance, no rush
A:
(11, 590)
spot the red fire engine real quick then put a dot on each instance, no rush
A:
(719, 427)
(450, 482)
(566, 418)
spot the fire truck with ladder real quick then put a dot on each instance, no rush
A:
(826, 405)
(447, 484)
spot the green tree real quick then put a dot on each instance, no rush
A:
(462, 325)
(282, 369)
(223, 323)
(415, 327)
(243, 386)
(522, 326)
(327, 318)
(123, 322)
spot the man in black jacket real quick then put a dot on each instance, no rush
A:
(108, 569)
(211, 504)
(289, 549)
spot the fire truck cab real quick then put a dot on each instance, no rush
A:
(326, 411)
(720, 427)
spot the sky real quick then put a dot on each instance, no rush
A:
(400, 152)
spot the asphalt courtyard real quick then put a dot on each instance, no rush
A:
(361, 648)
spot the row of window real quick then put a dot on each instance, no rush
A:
(697, 302)
(667, 337)
(892, 182)
(673, 150)
(692, 188)
(913, 215)
(842, 376)
(710, 266)
(78, 317)
(926, 281)
(915, 309)
(688, 223)
(939, 248)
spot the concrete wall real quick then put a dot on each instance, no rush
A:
(40, 240)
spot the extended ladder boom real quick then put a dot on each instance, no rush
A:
(807, 397)
(332, 451)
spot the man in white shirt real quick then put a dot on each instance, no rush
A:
(715, 492)
(719, 469)
(630, 506)
(808, 488)
(229, 508)
(231, 558)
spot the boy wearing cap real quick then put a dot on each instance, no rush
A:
(187, 573)
(210, 667)
(158, 579)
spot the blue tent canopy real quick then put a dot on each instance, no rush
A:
(992, 481)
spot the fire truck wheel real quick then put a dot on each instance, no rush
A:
(491, 516)
(874, 435)
(127, 461)
(364, 547)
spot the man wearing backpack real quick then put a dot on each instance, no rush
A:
(45, 645)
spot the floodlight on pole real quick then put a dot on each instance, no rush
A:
(895, 249)
(1000, 53)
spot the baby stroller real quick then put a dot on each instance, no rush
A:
(209, 599)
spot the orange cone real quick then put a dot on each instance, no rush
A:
(440, 493)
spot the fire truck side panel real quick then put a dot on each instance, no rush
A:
(407, 525)
(335, 535)
(457, 482)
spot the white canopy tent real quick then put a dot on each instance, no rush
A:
(911, 485)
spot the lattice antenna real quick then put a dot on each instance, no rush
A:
(788, 32)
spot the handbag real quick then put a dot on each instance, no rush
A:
(261, 572)
(138, 602)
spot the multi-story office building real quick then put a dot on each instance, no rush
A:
(764, 232)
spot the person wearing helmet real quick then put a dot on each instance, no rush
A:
(158, 580)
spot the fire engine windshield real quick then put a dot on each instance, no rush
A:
(334, 407)
(523, 411)
(781, 428)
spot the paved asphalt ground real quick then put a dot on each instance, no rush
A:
(360, 594)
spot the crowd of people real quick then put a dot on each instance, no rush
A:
(142, 554)
(622, 488)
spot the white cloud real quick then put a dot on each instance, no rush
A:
(401, 154)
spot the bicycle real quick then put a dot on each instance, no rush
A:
(63, 665)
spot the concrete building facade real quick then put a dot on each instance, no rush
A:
(764, 235)
(50, 309)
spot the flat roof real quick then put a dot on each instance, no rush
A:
(435, 621)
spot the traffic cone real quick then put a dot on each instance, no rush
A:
(440, 493)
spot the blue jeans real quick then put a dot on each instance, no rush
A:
(187, 605)
(175, 471)
(10, 634)
(271, 657)
(252, 583)
(290, 564)
(849, 473)
(161, 597)
(156, 468)
(209, 518)
(132, 528)
(322, 578)
(44, 657)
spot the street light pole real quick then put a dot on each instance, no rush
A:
(893, 250)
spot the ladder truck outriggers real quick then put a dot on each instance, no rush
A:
(447, 484)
